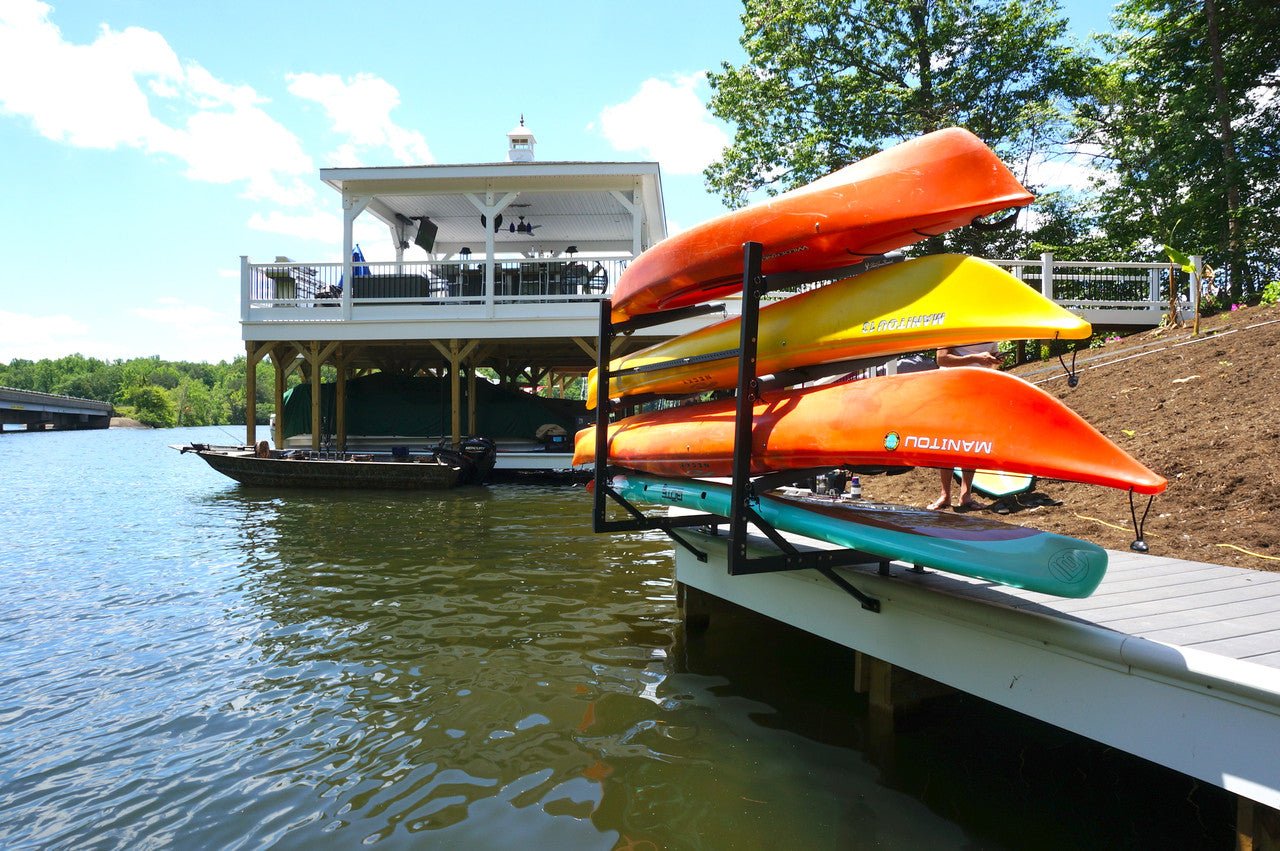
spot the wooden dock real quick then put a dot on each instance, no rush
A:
(1174, 661)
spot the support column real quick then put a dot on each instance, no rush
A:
(455, 395)
(1257, 826)
(471, 399)
(313, 356)
(694, 606)
(340, 402)
(278, 435)
(456, 354)
(352, 206)
(891, 689)
(252, 355)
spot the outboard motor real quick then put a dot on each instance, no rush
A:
(480, 453)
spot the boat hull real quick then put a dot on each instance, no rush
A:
(963, 544)
(921, 188)
(941, 300)
(964, 417)
(293, 469)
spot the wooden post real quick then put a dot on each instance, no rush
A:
(455, 387)
(1197, 263)
(340, 401)
(694, 606)
(471, 399)
(891, 688)
(1257, 826)
(251, 358)
(314, 357)
(278, 436)
(1046, 274)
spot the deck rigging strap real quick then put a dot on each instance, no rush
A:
(1139, 544)
(1073, 378)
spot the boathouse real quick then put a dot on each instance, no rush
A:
(498, 265)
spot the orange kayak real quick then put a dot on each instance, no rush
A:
(966, 417)
(921, 188)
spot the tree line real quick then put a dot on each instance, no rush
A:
(1176, 112)
(157, 392)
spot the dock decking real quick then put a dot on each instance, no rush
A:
(1174, 661)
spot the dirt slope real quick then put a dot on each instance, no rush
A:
(1202, 411)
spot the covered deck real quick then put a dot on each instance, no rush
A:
(498, 265)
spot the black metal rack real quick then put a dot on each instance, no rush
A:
(744, 489)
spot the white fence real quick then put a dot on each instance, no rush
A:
(1110, 292)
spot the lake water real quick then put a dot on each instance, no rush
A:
(185, 662)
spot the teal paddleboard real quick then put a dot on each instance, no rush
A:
(966, 544)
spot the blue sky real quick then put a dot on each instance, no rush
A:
(146, 144)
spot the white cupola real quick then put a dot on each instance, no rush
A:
(520, 142)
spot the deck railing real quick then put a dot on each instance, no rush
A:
(313, 285)
(1104, 292)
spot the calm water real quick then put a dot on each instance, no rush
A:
(187, 662)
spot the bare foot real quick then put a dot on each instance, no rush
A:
(940, 504)
(971, 504)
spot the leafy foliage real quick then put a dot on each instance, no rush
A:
(1271, 293)
(828, 83)
(156, 392)
(1190, 128)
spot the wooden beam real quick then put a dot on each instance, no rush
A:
(590, 348)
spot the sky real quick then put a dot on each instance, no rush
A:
(145, 145)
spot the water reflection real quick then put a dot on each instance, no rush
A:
(187, 662)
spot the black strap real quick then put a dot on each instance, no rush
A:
(998, 224)
(1139, 545)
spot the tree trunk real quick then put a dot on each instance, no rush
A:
(1239, 274)
(919, 12)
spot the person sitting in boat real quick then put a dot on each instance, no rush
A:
(980, 354)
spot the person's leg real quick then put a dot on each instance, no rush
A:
(943, 501)
(967, 499)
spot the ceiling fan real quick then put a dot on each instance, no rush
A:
(522, 227)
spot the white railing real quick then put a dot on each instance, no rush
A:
(292, 284)
(1110, 292)
(1104, 292)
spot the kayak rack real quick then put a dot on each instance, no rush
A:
(744, 490)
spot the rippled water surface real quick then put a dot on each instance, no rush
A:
(187, 662)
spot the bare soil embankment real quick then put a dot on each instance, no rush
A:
(1202, 411)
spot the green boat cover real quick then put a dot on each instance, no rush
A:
(396, 404)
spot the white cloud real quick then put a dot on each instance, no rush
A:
(170, 328)
(317, 226)
(129, 89)
(667, 121)
(197, 331)
(359, 108)
(24, 335)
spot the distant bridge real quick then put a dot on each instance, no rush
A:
(49, 411)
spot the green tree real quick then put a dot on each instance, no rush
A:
(151, 405)
(1187, 115)
(827, 83)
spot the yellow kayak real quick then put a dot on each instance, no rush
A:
(940, 300)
